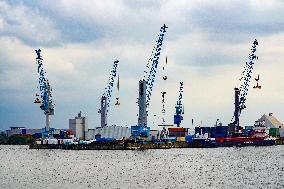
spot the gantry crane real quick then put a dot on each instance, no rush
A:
(106, 97)
(242, 92)
(146, 86)
(46, 102)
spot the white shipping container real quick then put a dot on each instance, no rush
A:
(38, 142)
(52, 141)
(68, 141)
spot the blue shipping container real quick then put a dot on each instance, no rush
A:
(219, 132)
(24, 131)
(203, 130)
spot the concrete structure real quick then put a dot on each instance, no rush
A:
(103, 111)
(117, 132)
(79, 126)
(142, 117)
(270, 121)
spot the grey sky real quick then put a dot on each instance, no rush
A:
(207, 44)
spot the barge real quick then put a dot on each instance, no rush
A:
(134, 145)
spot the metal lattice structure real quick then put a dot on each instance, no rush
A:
(242, 92)
(247, 74)
(110, 83)
(106, 97)
(146, 87)
(45, 89)
(150, 73)
(179, 107)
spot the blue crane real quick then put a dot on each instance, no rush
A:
(179, 107)
(106, 97)
(150, 74)
(242, 92)
(146, 86)
(46, 102)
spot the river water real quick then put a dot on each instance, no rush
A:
(245, 167)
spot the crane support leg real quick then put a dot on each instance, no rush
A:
(47, 122)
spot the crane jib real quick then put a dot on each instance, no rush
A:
(110, 83)
(155, 55)
(247, 74)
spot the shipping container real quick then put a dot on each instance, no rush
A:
(68, 141)
(50, 141)
(62, 134)
(177, 134)
(177, 129)
(180, 139)
(189, 138)
(203, 130)
(247, 132)
(219, 132)
(274, 132)
(248, 127)
(37, 135)
(24, 131)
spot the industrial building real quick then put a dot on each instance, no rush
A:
(79, 126)
(22, 131)
(116, 132)
(270, 121)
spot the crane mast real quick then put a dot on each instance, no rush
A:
(106, 97)
(147, 83)
(146, 86)
(46, 102)
(242, 92)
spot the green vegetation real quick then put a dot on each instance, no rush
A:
(15, 140)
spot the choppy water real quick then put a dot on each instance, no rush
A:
(247, 167)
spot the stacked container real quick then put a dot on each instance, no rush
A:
(219, 132)
(274, 132)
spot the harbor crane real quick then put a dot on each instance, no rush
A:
(242, 92)
(106, 97)
(146, 86)
(179, 107)
(46, 102)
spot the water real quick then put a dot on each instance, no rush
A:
(247, 167)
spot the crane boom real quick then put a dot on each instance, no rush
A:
(45, 92)
(154, 58)
(242, 92)
(146, 87)
(106, 97)
(110, 83)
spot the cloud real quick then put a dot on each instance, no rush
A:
(207, 44)
(27, 24)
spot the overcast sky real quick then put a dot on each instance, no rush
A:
(207, 44)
